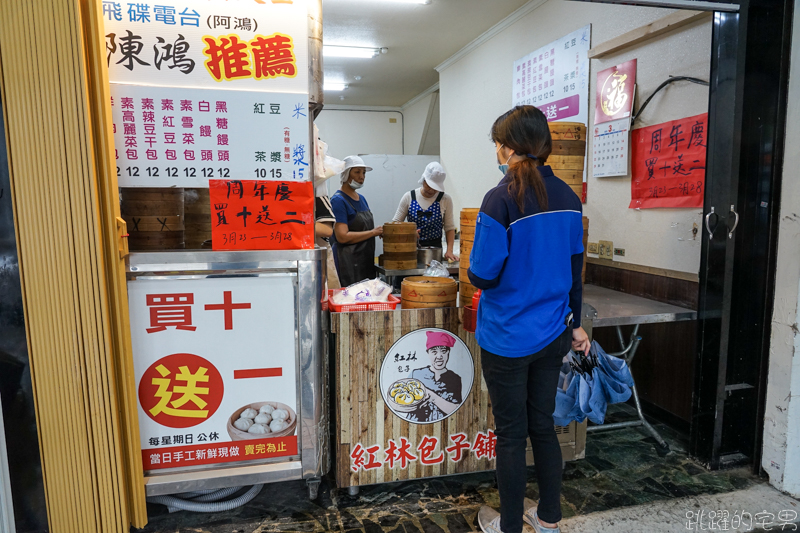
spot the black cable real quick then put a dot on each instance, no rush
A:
(672, 79)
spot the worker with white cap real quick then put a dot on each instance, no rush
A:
(354, 231)
(431, 210)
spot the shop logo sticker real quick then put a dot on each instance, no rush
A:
(426, 376)
(181, 390)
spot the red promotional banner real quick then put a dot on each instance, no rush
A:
(219, 452)
(669, 164)
(261, 215)
(615, 86)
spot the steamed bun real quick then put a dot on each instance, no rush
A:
(266, 409)
(280, 414)
(243, 424)
(248, 413)
(259, 429)
(278, 425)
(263, 418)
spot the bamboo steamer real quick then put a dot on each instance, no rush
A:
(465, 251)
(400, 265)
(390, 229)
(403, 247)
(569, 148)
(469, 216)
(425, 292)
(465, 291)
(154, 217)
(566, 162)
(197, 218)
(567, 131)
(399, 246)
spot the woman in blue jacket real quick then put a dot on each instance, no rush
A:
(527, 259)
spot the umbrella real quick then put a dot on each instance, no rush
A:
(588, 383)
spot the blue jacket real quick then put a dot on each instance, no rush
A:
(528, 264)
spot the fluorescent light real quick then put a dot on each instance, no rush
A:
(349, 51)
(334, 86)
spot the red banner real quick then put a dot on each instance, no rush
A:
(669, 164)
(220, 452)
(261, 215)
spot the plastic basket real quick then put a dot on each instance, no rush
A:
(390, 305)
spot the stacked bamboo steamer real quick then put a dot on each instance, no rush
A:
(154, 217)
(469, 217)
(399, 246)
(197, 218)
(569, 153)
(424, 292)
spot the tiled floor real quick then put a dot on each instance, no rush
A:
(621, 469)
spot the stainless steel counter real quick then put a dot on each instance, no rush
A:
(606, 307)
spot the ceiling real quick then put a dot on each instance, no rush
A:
(419, 37)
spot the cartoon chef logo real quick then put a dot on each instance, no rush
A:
(426, 376)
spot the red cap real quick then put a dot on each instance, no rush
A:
(437, 338)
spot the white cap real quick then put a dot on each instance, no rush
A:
(434, 176)
(352, 161)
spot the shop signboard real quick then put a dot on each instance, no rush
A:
(255, 215)
(669, 164)
(205, 350)
(212, 89)
(181, 137)
(555, 78)
(232, 44)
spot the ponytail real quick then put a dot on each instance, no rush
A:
(524, 129)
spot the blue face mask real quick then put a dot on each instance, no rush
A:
(503, 168)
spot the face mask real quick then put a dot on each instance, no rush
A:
(356, 185)
(503, 168)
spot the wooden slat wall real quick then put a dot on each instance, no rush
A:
(361, 342)
(58, 125)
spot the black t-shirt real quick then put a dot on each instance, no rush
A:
(323, 211)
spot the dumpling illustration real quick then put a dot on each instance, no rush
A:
(266, 409)
(243, 424)
(259, 429)
(263, 418)
(280, 414)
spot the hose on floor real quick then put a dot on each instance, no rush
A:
(206, 501)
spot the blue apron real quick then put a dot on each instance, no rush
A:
(430, 222)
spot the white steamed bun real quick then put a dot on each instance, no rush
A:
(259, 429)
(278, 425)
(266, 409)
(280, 414)
(263, 418)
(243, 424)
(248, 413)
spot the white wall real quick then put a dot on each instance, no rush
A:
(352, 131)
(781, 457)
(476, 89)
(416, 116)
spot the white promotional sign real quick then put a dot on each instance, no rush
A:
(179, 137)
(210, 356)
(427, 375)
(555, 78)
(232, 44)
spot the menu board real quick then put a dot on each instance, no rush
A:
(555, 78)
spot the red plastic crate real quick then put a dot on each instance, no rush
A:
(390, 305)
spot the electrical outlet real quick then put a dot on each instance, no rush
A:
(594, 248)
(619, 251)
(607, 250)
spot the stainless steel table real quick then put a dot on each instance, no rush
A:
(452, 267)
(605, 307)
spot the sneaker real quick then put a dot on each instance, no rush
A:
(532, 519)
(489, 521)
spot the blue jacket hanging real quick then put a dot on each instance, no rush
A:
(429, 221)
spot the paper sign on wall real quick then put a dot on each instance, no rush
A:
(614, 98)
(261, 215)
(669, 164)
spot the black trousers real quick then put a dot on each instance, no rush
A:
(523, 395)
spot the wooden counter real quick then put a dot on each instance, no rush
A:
(366, 427)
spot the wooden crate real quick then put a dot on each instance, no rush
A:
(361, 341)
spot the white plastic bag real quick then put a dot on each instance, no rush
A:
(437, 270)
(367, 291)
